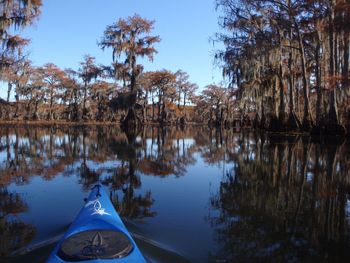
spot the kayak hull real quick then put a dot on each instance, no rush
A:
(105, 237)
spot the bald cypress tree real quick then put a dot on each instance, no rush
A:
(130, 39)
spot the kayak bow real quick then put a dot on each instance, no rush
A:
(97, 235)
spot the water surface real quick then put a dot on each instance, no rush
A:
(186, 195)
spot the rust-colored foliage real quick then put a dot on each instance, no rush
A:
(17, 14)
(129, 39)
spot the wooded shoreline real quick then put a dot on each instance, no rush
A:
(289, 62)
(286, 62)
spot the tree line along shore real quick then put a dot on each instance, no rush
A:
(287, 63)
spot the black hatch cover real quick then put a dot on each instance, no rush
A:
(95, 244)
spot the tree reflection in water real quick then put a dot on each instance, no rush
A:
(286, 199)
(13, 232)
(161, 157)
(125, 181)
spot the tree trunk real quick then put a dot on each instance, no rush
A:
(9, 88)
(281, 108)
(332, 114)
(345, 69)
(28, 109)
(84, 100)
(51, 103)
(307, 123)
(35, 113)
(15, 115)
(319, 111)
(262, 117)
(145, 108)
(293, 123)
(290, 84)
(222, 117)
(273, 122)
(163, 114)
(159, 105)
(131, 119)
(333, 126)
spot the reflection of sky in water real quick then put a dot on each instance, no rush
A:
(184, 143)
(3, 157)
(182, 205)
(52, 205)
(309, 176)
(182, 201)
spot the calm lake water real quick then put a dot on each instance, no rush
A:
(186, 195)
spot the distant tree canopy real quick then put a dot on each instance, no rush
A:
(289, 52)
(184, 87)
(88, 72)
(215, 104)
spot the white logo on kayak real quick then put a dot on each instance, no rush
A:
(97, 208)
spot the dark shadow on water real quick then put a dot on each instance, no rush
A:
(285, 200)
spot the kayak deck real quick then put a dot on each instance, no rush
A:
(97, 235)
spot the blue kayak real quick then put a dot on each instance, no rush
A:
(97, 235)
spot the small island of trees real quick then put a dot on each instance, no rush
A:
(287, 63)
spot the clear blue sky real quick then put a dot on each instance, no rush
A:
(68, 29)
